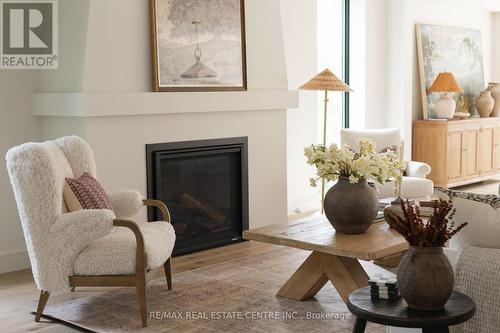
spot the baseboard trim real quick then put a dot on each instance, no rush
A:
(14, 261)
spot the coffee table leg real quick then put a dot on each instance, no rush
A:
(306, 281)
(436, 330)
(359, 326)
(346, 274)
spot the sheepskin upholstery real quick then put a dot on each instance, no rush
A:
(115, 253)
(56, 239)
(126, 204)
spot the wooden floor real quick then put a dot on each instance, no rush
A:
(17, 289)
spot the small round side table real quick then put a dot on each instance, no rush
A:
(458, 309)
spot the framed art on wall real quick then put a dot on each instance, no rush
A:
(455, 50)
(198, 45)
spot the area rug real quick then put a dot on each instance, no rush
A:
(233, 296)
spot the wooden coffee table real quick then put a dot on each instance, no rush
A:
(334, 256)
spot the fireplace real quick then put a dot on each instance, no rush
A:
(205, 186)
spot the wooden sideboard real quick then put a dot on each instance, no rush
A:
(459, 151)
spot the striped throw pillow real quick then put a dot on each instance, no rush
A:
(85, 192)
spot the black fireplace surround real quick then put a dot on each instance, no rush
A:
(205, 186)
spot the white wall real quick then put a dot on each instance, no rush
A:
(495, 74)
(301, 60)
(17, 126)
(376, 66)
(73, 16)
(358, 68)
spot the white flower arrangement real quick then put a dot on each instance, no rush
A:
(333, 162)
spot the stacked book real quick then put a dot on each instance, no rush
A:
(383, 287)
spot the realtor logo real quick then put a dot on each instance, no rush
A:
(29, 38)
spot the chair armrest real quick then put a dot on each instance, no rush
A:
(417, 169)
(69, 235)
(84, 222)
(161, 206)
(140, 254)
(126, 204)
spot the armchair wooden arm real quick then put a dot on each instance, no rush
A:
(140, 256)
(140, 266)
(160, 205)
(165, 213)
(141, 276)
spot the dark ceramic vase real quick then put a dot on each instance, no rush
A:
(425, 278)
(351, 208)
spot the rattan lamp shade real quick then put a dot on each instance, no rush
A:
(325, 80)
(445, 82)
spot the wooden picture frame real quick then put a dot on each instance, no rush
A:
(166, 74)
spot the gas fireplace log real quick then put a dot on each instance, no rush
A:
(215, 215)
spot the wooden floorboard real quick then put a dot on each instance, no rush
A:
(17, 289)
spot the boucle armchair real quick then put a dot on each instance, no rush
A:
(94, 247)
(414, 185)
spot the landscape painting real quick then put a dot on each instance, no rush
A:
(455, 50)
(198, 45)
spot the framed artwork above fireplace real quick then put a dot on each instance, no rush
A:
(198, 45)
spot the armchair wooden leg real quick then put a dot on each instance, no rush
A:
(168, 272)
(42, 301)
(141, 294)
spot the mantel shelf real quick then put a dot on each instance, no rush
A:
(106, 104)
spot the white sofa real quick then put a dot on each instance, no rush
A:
(415, 185)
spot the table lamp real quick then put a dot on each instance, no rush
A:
(325, 81)
(446, 83)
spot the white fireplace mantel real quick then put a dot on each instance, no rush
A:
(105, 104)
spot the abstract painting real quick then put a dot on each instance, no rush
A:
(455, 50)
(198, 45)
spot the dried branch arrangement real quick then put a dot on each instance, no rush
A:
(432, 232)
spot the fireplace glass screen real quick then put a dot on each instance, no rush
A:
(204, 185)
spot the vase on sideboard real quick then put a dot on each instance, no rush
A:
(485, 103)
(494, 88)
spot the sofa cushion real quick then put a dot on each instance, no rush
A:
(85, 192)
(116, 253)
(481, 212)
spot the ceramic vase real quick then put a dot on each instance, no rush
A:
(494, 88)
(484, 104)
(351, 208)
(425, 278)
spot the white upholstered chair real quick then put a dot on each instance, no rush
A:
(94, 247)
(415, 185)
